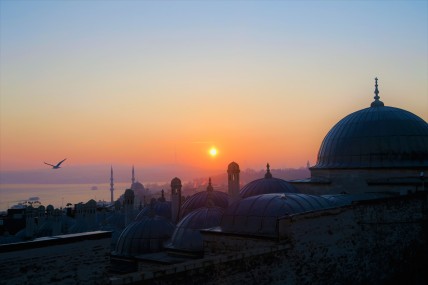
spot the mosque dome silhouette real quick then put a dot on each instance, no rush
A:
(207, 198)
(267, 185)
(160, 208)
(187, 234)
(137, 186)
(144, 236)
(376, 137)
(258, 215)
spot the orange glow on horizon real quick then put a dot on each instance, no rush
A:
(110, 93)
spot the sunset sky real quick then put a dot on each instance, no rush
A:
(161, 82)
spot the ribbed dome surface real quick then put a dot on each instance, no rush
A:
(144, 236)
(187, 236)
(160, 208)
(258, 214)
(376, 137)
(204, 199)
(266, 186)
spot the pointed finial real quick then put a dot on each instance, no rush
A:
(268, 174)
(162, 197)
(209, 187)
(376, 102)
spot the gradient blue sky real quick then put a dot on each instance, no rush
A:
(158, 82)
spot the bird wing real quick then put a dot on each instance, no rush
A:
(49, 164)
(59, 163)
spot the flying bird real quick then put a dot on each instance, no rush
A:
(57, 165)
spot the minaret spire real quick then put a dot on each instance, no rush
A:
(376, 102)
(111, 184)
(133, 176)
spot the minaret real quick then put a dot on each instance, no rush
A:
(111, 185)
(133, 177)
(233, 180)
(175, 199)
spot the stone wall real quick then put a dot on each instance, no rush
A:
(356, 181)
(372, 242)
(69, 259)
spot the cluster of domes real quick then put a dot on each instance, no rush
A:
(372, 138)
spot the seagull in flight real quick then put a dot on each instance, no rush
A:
(57, 165)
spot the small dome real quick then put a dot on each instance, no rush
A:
(91, 203)
(376, 137)
(233, 167)
(50, 209)
(162, 209)
(258, 214)
(204, 199)
(144, 236)
(175, 182)
(187, 236)
(266, 185)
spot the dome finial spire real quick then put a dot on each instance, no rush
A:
(210, 186)
(268, 174)
(376, 102)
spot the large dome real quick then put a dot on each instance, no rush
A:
(376, 137)
(258, 215)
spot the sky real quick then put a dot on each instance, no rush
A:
(161, 82)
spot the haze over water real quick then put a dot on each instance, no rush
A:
(57, 195)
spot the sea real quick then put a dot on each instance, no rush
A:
(57, 195)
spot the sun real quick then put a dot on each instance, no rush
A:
(213, 151)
